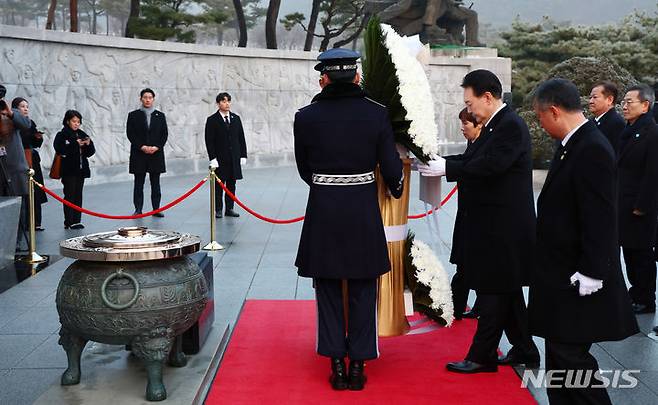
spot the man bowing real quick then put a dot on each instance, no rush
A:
(577, 294)
(498, 225)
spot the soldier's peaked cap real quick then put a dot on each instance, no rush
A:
(336, 60)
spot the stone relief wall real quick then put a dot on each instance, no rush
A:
(101, 77)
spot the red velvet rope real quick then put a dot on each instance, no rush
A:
(445, 200)
(293, 220)
(97, 214)
(254, 213)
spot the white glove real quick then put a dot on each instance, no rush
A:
(243, 161)
(214, 164)
(436, 167)
(587, 285)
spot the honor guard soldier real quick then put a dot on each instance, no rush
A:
(340, 139)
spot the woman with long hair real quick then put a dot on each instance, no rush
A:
(32, 140)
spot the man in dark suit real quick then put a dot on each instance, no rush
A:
(147, 132)
(340, 139)
(602, 101)
(227, 150)
(498, 225)
(577, 294)
(638, 196)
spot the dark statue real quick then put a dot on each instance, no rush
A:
(437, 21)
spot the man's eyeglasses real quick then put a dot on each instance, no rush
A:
(626, 102)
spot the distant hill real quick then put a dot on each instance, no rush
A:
(503, 12)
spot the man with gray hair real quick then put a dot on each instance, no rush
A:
(577, 293)
(638, 195)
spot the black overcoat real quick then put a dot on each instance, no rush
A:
(140, 134)
(74, 157)
(227, 144)
(32, 140)
(638, 184)
(458, 242)
(611, 124)
(577, 232)
(343, 132)
(497, 204)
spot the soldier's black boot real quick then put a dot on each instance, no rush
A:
(338, 377)
(357, 378)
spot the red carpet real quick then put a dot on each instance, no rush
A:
(271, 359)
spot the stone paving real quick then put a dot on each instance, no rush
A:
(256, 264)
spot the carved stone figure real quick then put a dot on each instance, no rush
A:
(437, 21)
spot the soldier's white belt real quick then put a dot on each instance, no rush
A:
(343, 179)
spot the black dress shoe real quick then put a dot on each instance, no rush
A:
(137, 212)
(158, 215)
(357, 378)
(470, 315)
(218, 214)
(77, 226)
(655, 329)
(644, 309)
(515, 360)
(338, 377)
(470, 367)
(231, 213)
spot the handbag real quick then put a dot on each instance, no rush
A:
(28, 157)
(56, 167)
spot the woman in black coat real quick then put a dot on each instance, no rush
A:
(32, 140)
(75, 147)
(471, 130)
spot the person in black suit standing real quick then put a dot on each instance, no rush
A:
(498, 225)
(227, 150)
(638, 196)
(602, 101)
(577, 294)
(147, 132)
(340, 139)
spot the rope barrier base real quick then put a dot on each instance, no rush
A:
(33, 258)
(214, 245)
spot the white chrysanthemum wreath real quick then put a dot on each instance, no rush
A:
(415, 92)
(430, 273)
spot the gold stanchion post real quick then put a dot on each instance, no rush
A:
(213, 244)
(33, 257)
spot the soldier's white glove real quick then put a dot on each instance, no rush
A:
(587, 285)
(435, 167)
(243, 161)
(214, 164)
